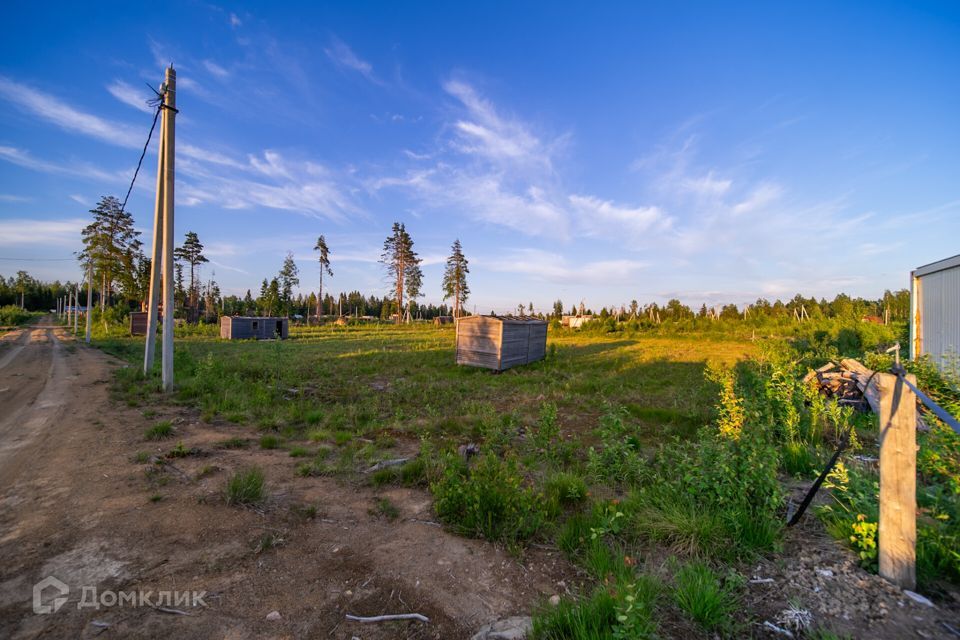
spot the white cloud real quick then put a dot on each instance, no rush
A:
(343, 55)
(760, 198)
(130, 96)
(67, 117)
(556, 269)
(80, 199)
(17, 232)
(215, 69)
(706, 185)
(488, 134)
(603, 218)
(6, 197)
(22, 158)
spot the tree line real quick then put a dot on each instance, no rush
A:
(121, 275)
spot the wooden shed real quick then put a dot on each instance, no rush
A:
(500, 342)
(439, 320)
(253, 328)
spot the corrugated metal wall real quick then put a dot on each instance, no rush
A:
(940, 315)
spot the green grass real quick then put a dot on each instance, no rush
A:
(704, 597)
(234, 443)
(159, 431)
(269, 441)
(246, 487)
(383, 507)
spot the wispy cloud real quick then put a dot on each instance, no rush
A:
(18, 232)
(234, 20)
(215, 69)
(602, 218)
(65, 116)
(760, 198)
(485, 132)
(130, 96)
(341, 54)
(554, 268)
(6, 197)
(23, 158)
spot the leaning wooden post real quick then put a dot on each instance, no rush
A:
(89, 297)
(897, 533)
(150, 344)
(169, 113)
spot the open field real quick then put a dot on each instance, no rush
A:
(599, 479)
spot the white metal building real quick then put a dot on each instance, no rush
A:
(935, 311)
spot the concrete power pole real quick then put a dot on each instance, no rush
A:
(89, 297)
(154, 299)
(169, 115)
(76, 303)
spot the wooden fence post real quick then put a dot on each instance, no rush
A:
(897, 532)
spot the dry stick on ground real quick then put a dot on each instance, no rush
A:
(387, 618)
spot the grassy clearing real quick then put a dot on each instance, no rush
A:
(618, 447)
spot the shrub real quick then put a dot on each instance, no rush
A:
(12, 314)
(488, 501)
(246, 487)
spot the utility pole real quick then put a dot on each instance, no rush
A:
(150, 343)
(169, 115)
(89, 297)
(76, 303)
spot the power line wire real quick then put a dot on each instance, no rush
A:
(142, 154)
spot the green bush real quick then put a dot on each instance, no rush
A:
(488, 500)
(11, 314)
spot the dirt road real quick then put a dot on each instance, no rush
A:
(77, 506)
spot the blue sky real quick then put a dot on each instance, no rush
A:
(714, 152)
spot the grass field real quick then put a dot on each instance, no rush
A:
(618, 446)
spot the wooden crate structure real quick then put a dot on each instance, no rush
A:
(253, 328)
(439, 320)
(500, 342)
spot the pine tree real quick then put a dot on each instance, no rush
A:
(112, 243)
(192, 253)
(402, 265)
(288, 278)
(455, 279)
(321, 247)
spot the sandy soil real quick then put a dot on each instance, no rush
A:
(74, 504)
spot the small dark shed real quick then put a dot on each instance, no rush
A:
(439, 320)
(256, 328)
(138, 323)
(500, 342)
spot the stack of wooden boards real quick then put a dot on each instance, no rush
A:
(850, 383)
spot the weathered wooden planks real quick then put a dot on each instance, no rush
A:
(500, 342)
